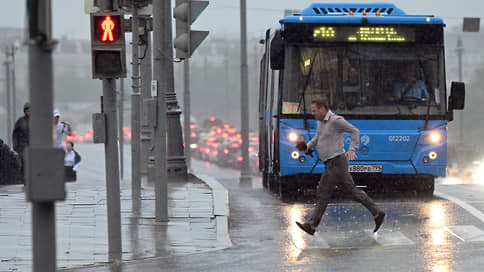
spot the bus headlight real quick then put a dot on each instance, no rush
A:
(433, 155)
(292, 137)
(433, 138)
(295, 155)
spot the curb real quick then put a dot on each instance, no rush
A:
(221, 209)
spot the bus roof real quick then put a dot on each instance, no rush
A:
(344, 13)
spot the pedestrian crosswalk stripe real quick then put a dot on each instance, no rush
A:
(466, 233)
(386, 237)
(478, 214)
(317, 242)
(358, 239)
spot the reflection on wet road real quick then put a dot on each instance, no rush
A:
(419, 234)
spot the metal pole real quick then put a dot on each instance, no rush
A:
(186, 108)
(135, 109)
(111, 149)
(120, 127)
(244, 93)
(14, 86)
(163, 76)
(112, 170)
(228, 110)
(41, 97)
(146, 128)
(460, 52)
(9, 99)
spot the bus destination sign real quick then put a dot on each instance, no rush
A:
(363, 34)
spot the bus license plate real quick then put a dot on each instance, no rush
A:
(365, 168)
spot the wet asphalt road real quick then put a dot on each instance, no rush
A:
(431, 234)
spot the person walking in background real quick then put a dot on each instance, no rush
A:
(60, 128)
(329, 140)
(71, 162)
(20, 134)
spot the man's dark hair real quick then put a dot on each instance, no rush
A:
(321, 102)
(70, 142)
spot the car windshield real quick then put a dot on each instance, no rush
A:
(365, 79)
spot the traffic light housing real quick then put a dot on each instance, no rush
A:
(108, 48)
(186, 40)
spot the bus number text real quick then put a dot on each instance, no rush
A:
(398, 138)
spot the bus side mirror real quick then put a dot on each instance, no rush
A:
(277, 51)
(457, 96)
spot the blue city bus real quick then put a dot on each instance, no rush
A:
(381, 69)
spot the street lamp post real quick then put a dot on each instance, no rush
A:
(244, 94)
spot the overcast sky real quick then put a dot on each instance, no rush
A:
(222, 16)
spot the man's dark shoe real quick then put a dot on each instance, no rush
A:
(379, 217)
(306, 227)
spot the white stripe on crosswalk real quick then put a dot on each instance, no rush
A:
(466, 233)
(386, 237)
(478, 214)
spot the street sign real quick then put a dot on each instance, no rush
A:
(186, 40)
(471, 24)
(108, 47)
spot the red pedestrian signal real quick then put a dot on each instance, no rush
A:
(108, 45)
(108, 26)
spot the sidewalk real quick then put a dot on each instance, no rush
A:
(198, 222)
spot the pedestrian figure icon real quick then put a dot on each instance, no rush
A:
(108, 26)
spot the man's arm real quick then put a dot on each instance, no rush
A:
(67, 128)
(343, 125)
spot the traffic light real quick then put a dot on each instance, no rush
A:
(186, 40)
(108, 47)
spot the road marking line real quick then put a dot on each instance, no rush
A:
(453, 233)
(386, 238)
(469, 233)
(478, 214)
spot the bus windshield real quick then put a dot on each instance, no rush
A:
(365, 79)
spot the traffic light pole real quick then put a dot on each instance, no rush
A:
(112, 170)
(120, 127)
(163, 78)
(186, 41)
(186, 110)
(135, 108)
(111, 149)
(244, 94)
